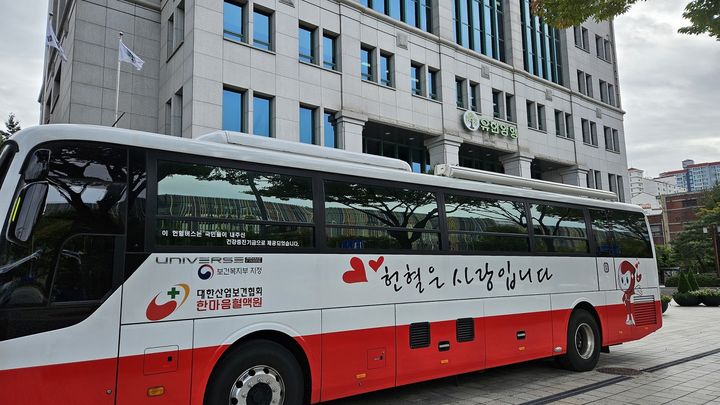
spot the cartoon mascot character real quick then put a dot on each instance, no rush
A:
(628, 278)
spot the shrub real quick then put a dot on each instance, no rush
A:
(665, 298)
(686, 299)
(707, 280)
(683, 284)
(692, 281)
(672, 281)
(706, 292)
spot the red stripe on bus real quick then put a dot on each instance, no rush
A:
(341, 363)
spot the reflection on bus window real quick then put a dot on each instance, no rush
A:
(362, 216)
(483, 224)
(201, 205)
(559, 229)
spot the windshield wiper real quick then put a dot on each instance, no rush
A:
(9, 267)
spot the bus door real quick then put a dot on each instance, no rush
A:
(61, 265)
(606, 253)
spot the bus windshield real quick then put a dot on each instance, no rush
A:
(64, 253)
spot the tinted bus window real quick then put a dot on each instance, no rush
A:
(602, 232)
(631, 234)
(559, 229)
(478, 224)
(362, 216)
(202, 205)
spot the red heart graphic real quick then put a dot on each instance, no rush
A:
(375, 264)
(639, 277)
(357, 274)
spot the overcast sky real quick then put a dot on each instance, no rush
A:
(669, 83)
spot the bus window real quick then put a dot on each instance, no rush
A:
(631, 234)
(559, 229)
(86, 188)
(486, 225)
(362, 216)
(212, 206)
(602, 231)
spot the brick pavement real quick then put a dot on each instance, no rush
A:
(686, 332)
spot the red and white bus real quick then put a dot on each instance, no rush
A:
(231, 269)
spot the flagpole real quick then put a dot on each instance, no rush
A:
(117, 86)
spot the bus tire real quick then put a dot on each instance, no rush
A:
(583, 342)
(259, 372)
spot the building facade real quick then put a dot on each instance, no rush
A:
(695, 176)
(678, 211)
(640, 184)
(479, 83)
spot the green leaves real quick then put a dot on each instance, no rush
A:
(704, 15)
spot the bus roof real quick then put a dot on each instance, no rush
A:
(324, 160)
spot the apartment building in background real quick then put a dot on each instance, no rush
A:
(695, 176)
(480, 83)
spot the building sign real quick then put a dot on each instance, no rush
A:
(475, 122)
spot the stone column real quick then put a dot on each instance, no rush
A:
(577, 176)
(350, 128)
(443, 151)
(517, 165)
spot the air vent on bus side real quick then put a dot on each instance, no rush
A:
(465, 330)
(644, 311)
(419, 335)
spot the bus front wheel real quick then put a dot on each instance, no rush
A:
(583, 342)
(256, 373)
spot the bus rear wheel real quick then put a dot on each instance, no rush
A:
(583, 342)
(256, 373)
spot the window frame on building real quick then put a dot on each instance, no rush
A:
(310, 46)
(261, 43)
(386, 73)
(242, 8)
(368, 68)
(330, 38)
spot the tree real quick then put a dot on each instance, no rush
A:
(702, 14)
(11, 125)
(664, 257)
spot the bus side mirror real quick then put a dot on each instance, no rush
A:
(37, 168)
(28, 210)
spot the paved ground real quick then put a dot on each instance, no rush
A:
(686, 332)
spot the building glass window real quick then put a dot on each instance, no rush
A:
(306, 46)
(417, 13)
(497, 108)
(307, 125)
(262, 116)
(581, 38)
(233, 102)
(330, 51)
(411, 150)
(509, 107)
(386, 69)
(367, 63)
(541, 46)
(234, 21)
(474, 97)
(479, 26)
(262, 30)
(415, 79)
(460, 92)
(432, 84)
(330, 130)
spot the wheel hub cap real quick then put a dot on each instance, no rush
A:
(585, 341)
(258, 385)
